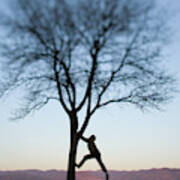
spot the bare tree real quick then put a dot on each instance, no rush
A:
(86, 55)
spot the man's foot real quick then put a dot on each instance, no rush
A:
(107, 176)
(77, 165)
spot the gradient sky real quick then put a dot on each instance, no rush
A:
(127, 138)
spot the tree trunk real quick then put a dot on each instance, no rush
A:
(71, 175)
(71, 163)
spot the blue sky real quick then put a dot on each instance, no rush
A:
(127, 138)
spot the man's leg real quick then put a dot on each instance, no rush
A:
(86, 157)
(101, 164)
(102, 167)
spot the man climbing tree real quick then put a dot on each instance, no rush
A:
(86, 55)
(94, 153)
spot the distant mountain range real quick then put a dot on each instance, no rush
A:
(152, 174)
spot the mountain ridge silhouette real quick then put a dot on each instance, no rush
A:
(145, 174)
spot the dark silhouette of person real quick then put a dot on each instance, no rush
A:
(94, 153)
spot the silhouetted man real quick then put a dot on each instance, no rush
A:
(94, 153)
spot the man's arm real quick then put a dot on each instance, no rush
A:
(84, 139)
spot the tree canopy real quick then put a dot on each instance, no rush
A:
(100, 52)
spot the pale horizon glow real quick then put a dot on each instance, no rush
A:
(127, 138)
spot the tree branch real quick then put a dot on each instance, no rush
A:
(69, 82)
(91, 78)
(58, 84)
